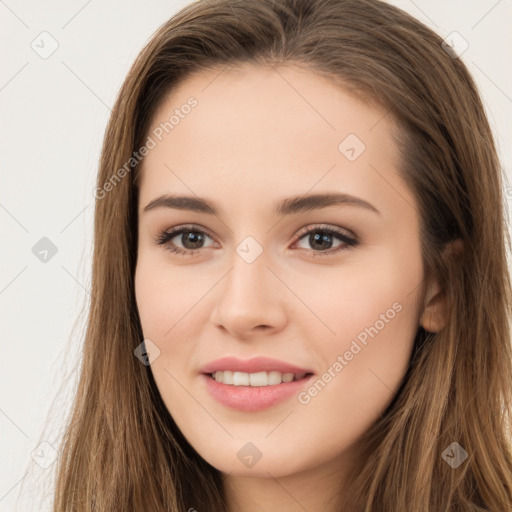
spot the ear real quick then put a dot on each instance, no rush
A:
(435, 310)
(433, 317)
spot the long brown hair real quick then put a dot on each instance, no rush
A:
(122, 450)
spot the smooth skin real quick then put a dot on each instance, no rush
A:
(259, 135)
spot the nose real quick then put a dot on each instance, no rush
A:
(250, 300)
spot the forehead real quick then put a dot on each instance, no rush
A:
(290, 100)
(267, 130)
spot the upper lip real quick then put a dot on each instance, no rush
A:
(256, 364)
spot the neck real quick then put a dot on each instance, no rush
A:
(318, 488)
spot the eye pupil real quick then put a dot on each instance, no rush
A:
(194, 237)
(322, 240)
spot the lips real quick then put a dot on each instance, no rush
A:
(256, 396)
(254, 365)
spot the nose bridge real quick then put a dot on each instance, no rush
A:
(249, 296)
(248, 279)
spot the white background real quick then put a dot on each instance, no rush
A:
(53, 115)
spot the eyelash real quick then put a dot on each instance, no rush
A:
(165, 236)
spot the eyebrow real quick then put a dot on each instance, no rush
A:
(289, 206)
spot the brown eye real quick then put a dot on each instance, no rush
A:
(321, 240)
(191, 239)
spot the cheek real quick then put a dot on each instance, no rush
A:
(360, 379)
(173, 311)
(374, 290)
(169, 305)
(166, 296)
(373, 310)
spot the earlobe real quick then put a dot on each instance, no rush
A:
(435, 312)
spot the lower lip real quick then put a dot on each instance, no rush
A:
(253, 398)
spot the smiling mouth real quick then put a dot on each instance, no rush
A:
(257, 379)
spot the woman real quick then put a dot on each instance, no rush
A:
(332, 333)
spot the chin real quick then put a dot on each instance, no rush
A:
(258, 459)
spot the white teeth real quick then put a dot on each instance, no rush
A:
(287, 377)
(240, 379)
(273, 378)
(258, 379)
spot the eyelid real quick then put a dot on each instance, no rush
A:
(325, 227)
(168, 233)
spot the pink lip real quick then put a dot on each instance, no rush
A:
(256, 364)
(252, 398)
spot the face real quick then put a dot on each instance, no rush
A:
(258, 264)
